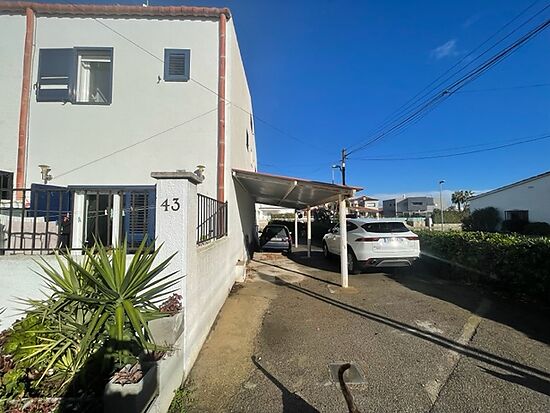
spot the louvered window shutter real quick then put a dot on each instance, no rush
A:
(177, 64)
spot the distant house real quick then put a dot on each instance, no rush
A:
(265, 213)
(364, 206)
(417, 205)
(525, 200)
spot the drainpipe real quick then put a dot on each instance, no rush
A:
(25, 98)
(221, 109)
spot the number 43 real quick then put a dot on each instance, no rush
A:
(174, 206)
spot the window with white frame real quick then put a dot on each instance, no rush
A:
(94, 75)
(77, 75)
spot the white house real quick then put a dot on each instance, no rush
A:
(105, 94)
(94, 99)
(525, 200)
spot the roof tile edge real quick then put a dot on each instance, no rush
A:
(57, 9)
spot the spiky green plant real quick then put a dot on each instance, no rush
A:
(122, 297)
(97, 303)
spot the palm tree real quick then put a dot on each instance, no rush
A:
(460, 198)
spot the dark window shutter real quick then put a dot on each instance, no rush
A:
(55, 68)
(177, 65)
(139, 217)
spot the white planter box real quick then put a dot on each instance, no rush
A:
(132, 398)
(167, 330)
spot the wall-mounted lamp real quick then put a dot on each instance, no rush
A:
(200, 171)
(45, 172)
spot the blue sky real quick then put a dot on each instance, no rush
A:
(329, 72)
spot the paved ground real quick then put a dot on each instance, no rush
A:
(425, 344)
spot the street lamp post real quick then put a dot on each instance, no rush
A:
(441, 201)
(333, 168)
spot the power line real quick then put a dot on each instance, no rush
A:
(394, 117)
(136, 143)
(454, 148)
(458, 153)
(495, 89)
(425, 107)
(145, 50)
(414, 99)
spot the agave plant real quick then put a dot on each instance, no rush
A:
(98, 303)
(123, 297)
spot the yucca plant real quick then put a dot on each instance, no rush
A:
(123, 297)
(97, 304)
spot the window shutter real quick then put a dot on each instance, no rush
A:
(55, 68)
(177, 65)
(139, 216)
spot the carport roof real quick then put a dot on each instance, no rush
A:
(290, 192)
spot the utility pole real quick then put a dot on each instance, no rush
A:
(441, 201)
(343, 166)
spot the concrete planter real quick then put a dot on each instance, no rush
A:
(167, 330)
(132, 398)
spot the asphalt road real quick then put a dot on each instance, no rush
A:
(423, 343)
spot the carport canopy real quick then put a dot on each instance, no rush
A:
(300, 194)
(290, 192)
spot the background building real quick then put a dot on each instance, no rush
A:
(525, 200)
(417, 205)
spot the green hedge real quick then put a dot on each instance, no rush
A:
(449, 217)
(517, 263)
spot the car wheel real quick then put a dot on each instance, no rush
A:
(353, 267)
(326, 252)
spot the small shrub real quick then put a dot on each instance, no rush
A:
(449, 217)
(485, 219)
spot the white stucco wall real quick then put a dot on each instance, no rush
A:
(221, 262)
(532, 196)
(12, 40)
(19, 280)
(67, 136)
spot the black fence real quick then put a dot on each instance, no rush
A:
(212, 219)
(39, 220)
(34, 219)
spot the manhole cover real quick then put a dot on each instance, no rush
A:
(353, 375)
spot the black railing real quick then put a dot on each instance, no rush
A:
(40, 219)
(35, 219)
(212, 219)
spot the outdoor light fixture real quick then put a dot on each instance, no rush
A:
(333, 168)
(200, 170)
(45, 172)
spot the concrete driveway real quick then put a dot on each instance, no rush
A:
(423, 343)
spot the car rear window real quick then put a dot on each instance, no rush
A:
(385, 227)
(272, 232)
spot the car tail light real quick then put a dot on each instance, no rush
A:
(367, 239)
(414, 238)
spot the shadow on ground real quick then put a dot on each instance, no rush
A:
(527, 318)
(525, 375)
(292, 402)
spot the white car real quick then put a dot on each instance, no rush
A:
(374, 243)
